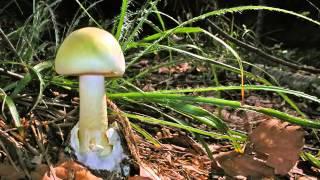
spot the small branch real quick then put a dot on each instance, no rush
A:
(9, 73)
(262, 53)
(127, 131)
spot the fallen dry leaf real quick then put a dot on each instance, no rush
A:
(70, 170)
(281, 141)
(274, 148)
(235, 164)
(139, 178)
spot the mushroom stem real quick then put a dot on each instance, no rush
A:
(93, 122)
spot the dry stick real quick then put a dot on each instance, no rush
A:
(18, 153)
(18, 148)
(262, 53)
(5, 134)
(12, 74)
(127, 130)
(129, 136)
(36, 132)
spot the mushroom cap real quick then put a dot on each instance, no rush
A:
(90, 51)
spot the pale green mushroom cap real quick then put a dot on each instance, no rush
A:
(90, 51)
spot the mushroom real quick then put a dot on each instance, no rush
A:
(93, 54)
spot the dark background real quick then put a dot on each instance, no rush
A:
(277, 27)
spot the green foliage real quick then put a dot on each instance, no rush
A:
(12, 108)
(176, 98)
(313, 159)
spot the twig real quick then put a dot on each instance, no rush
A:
(127, 130)
(39, 139)
(12, 74)
(18, 149)
(6, 136)
(64, 116)
(262, 53)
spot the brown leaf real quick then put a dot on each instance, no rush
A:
(235, 164)
(280, 141)
(71, 170)
(139, 178)
(273, 149)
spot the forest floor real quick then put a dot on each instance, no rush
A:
(180, 156)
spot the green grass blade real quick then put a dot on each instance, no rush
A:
(314, 160)
(227, 67)
(151, 120)
(154, 7)
(205, 117)
(201, 115)
(64, 83)
(145, 134)
(21, 85)
(158, 97)
(218, 13)
(123, 13)
(12, 108)
(141, 20)
(247, 87)
(41, 87)
(181, 30)
(43, 65)
(88, 14)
